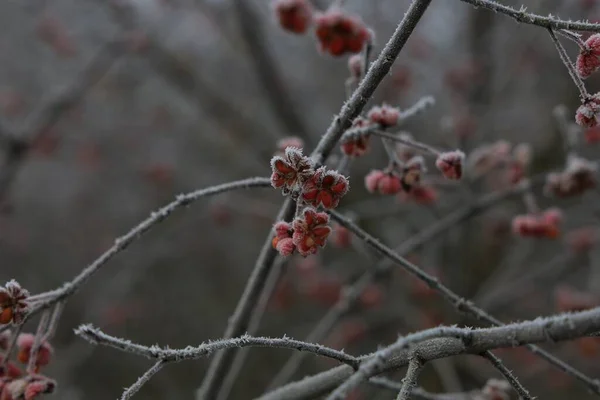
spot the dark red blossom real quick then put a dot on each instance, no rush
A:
(420, 194)
(325, 188)
(578, 177)
(357, 144)
(25, 342)
(13, 303)
(411, 173)
(382, 182)
(293, 15)
(588, 60)
(541, 225)
(339, 33)
(291, 171)
(592, 135)
(282, 241)
(310, 231)
(27, 388)
(451, 164)
(587, 113)
(385, 115)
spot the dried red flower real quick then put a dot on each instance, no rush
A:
(538, 225)
(357, 144)
(13, 303)
(325, 188)
(293, 15)
(310, 231)
(339, 33)
(586, 114)
(420, 194)
(385, 115)
(282, 241)
(25, 342)
(382, 182)
(592, 135)
(291, 171)
(578, 177)
(450, 164)
(411, 172)
(588, 60)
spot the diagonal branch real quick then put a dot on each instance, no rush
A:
(239, 321)
(457, 301)
(510, 377)
(524, 17)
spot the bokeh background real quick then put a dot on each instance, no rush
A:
(197, 92)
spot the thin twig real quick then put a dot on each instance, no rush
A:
(96, 336)
(510, 377)
(407, 142)
(142, 380)
(410, 380)
(37, 342)
(533, 19)
(564, 57)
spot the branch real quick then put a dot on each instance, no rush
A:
(142, 380)
(510, 377)
(352, 292)
(432, 344)
(96, 336)
(121, 243)
(458, 302)
(523, 17)
(564, 57)
(410, 380)
(239, 321)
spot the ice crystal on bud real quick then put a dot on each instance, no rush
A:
(384, 115)
(294, 15)
(451, 164)
(588, 60)
(310, 231)
(339, 33)
(325, 188)
(291, 171)
(13, 303)
(382, 182)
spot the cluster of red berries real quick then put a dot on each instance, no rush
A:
(296, 175)
(13, 303)
(578, 177)
(542, 225)
(15, 384)
(338, 33)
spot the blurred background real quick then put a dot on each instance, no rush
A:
(111, 108)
